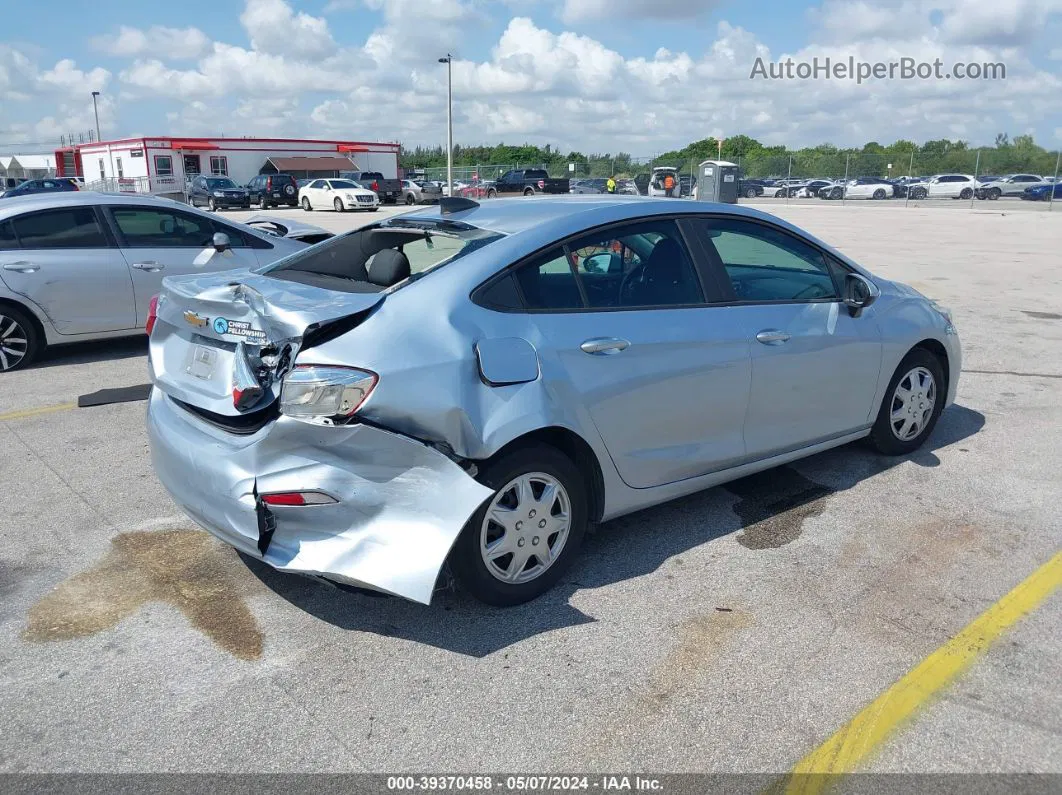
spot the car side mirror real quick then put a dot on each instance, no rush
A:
(221, 242)
(859, 293)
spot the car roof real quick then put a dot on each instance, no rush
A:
(46, 201)
(516, 215)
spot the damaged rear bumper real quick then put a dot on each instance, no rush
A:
(400, 504)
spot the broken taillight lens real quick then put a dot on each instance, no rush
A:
(153, 314)
(542, 184)
(325, 394)
(296, 498)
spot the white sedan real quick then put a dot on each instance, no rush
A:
(339, 194)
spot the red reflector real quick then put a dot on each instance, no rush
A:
(153, 310)
(284, 498)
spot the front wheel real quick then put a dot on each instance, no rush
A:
(918, 194)
(19, 341)
(967, 193)
(911, 406)
(879, 194)
(750, 193)
(994, 194)
(529, 192)
(306, 203)
(519, 543)
(338, 204)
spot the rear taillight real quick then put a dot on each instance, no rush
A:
(542, 184)
(153, 314)
(269, 183)
(325, 394)
(375, 185)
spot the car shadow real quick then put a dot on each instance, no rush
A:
(768, 512)
(91, 352)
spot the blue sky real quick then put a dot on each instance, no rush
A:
(641, 76)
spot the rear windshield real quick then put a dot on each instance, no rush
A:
(344, 262)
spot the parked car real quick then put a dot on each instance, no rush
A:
(455, 386)
(751, 188)
(1043, 192)
(85, 266)
(787, 188)
(267, 189)
(944, 186)
(389, 190)
(868, 188)
(217, 193)
(420, 192)
(338, 194)
(658, 180)
(527, 181)
(48, 185)
(1010, 185)
(810, 189)
(687, 184)
(628, 187)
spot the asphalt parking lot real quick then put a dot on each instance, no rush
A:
(735, 630)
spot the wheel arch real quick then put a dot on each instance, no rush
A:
(937, 348)
(575, 448)
(29, 312)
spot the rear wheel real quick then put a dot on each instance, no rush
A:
(212, 205)
(409, 199)
(879, 193)
(19, 341)
(492, 194)
(520, 542)
(338, 204)
(750, 193)
(306, 203)
(911, 406)
(264, 204)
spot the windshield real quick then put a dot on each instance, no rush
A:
(220, 182)
(345, 184)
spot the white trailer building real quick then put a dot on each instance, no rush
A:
(164, 164)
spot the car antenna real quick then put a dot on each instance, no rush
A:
(455, 204)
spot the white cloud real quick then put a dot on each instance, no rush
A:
(276, 29)
(156, 41)
(1004, 22)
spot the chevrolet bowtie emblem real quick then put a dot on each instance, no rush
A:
(195, 319)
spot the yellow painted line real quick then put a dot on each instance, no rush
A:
(854, 742)
(21, 415)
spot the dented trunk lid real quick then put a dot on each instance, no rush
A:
(215, 331)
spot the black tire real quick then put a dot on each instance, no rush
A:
(338, 204)
(529, 192)
(967, 193)
(882, 437)
(750, 193)
(306, 203)
(24, 329)
(994, 194)
(264, 204)
(212, 205)
(410, 200)
(918, 194)
(492, 194)
(879, 194)
(467, 562)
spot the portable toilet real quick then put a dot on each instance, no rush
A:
(717, 181)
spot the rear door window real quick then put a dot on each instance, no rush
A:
(7, 236)
(548, 282)
(69, 227)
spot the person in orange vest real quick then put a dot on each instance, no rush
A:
(669, 185)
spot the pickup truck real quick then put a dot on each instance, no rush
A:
(527, 181)
(389, 190)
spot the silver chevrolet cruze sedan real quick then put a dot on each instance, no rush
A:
(472, 385)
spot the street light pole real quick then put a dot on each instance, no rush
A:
(448, 60)
(96, 113)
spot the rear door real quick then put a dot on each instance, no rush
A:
(815, 368)
(157, 242)
(65, 261)
(663, 375)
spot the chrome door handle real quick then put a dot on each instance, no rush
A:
(772, 337)
(150, 266)
(22, 267)
(605, 346)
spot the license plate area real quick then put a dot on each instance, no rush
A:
(202, 360)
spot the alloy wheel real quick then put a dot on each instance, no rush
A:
(14, 343)
(913, 402)
(525, 527)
